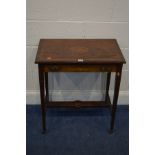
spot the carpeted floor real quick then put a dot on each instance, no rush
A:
(77, 132)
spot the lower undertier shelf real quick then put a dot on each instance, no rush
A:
(78, 104)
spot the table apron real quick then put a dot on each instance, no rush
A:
(79, 68)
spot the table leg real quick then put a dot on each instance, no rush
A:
(46, 87)
(115, 98)
(107, 86)
(42, 98)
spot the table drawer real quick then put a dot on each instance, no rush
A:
(79, 68)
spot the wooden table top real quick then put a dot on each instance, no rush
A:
(85, 51)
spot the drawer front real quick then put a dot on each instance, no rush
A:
(79, 68)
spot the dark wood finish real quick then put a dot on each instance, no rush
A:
(73, 50)
(79, 55)
(78, 104)
(79, 68)
(115, 98)
(107, 86)
(42, 98)
(46, 86)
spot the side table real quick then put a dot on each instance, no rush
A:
(79, 55)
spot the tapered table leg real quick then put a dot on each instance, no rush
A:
(42, 98)
(46, 87)
(115, 98)
(107, 86)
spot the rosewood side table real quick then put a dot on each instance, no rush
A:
(79, 55)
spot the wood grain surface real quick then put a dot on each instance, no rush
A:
(75, 51)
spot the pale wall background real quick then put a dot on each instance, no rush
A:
(76, 19)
